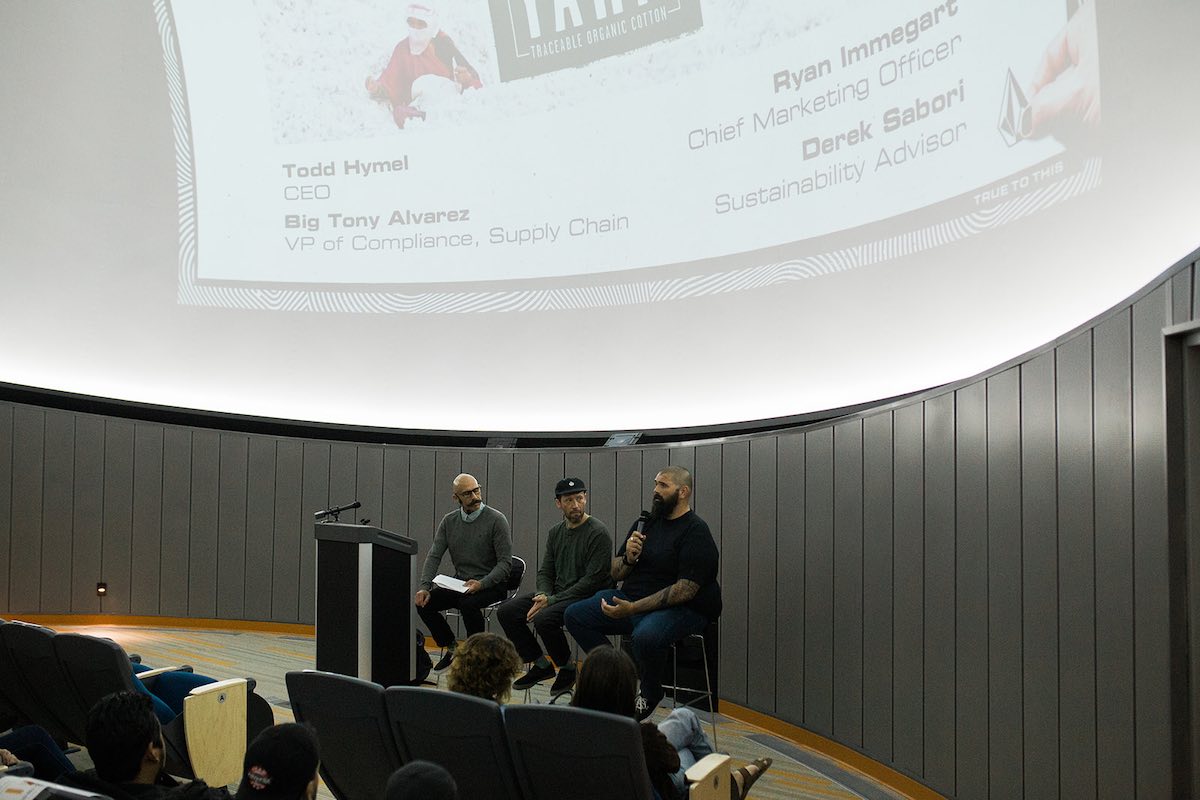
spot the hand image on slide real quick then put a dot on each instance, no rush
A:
(426, 69)
(1064, 98)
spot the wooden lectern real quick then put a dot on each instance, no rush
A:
(364, 602)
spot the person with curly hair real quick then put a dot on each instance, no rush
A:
(485, 666)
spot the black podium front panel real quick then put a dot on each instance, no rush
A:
(364, 602)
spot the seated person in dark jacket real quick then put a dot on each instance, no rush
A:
(125, 742)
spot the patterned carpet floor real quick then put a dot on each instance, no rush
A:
(797, 774)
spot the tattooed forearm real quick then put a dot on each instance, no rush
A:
(681, 592)
(620, 568)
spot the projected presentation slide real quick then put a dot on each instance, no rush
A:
(443, 157)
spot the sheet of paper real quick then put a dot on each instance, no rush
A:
(453, 584)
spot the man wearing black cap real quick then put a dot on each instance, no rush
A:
(281, 764)
(575, 565)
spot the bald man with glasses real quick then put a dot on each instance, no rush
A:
(478, 539)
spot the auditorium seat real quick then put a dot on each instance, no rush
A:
(34, 667)
(10, 715)
(464, 734)
(95, 667)
(561, 751)
(358, 751)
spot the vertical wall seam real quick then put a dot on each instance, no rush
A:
(954, 579)
(1058, 590)
(892, 599)
(71, 540)
(1021, 555)
(833, 566)
(1133, 515)
(246, 533)
(987, 583)
(103, 498)
(41, 594)
(862, 584)
(132, 506)
(1095, 615)
(162, 491)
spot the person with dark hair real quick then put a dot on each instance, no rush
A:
(281, 764)
(668, 569)
(421, 780)
(485, 667)
(608, 682)
(36, 747)
(575, 564)
(125, 742)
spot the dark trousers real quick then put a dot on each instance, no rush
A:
(652, 634)
(469, 605)
(548, 624)
(34, 745)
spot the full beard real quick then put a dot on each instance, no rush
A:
(662, 507)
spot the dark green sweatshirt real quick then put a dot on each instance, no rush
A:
(576, 563)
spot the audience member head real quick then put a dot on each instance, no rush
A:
(281, 764)
(421, 780)
(484, 666)
(607, 681)
(124, 739)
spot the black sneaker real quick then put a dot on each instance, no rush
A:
(564, 683)
(536, 674)
(443, 663)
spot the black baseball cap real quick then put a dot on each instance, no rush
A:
(569, 486)
(279, 764)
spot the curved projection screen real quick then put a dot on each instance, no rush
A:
(577, 215)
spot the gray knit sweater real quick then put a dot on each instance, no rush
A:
(480, 550)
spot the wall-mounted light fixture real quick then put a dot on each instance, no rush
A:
(101, 589)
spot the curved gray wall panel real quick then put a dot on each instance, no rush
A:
(971, 587)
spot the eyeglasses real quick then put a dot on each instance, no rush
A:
(468, 492)
(417, 24)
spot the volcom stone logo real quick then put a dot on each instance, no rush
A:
(1015, 119)
(538, 36)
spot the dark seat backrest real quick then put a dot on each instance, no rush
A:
(515, 573)
(10, 714)
(53, 704)
(560, 751)
(464, 734)
(95, 667)
(358, 753)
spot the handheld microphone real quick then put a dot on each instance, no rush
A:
(642, 519)
(331, 512)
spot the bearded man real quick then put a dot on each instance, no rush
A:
(575, 563)
(669, 590)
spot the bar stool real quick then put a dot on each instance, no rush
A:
(701, 696)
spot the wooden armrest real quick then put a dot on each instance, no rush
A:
(708, 778)
(154, 673)
(214, 723)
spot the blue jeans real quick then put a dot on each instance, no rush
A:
(34, 745)
(169, 690)
(652, 634)
(683, 731)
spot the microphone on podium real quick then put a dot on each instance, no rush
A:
(333, 512)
